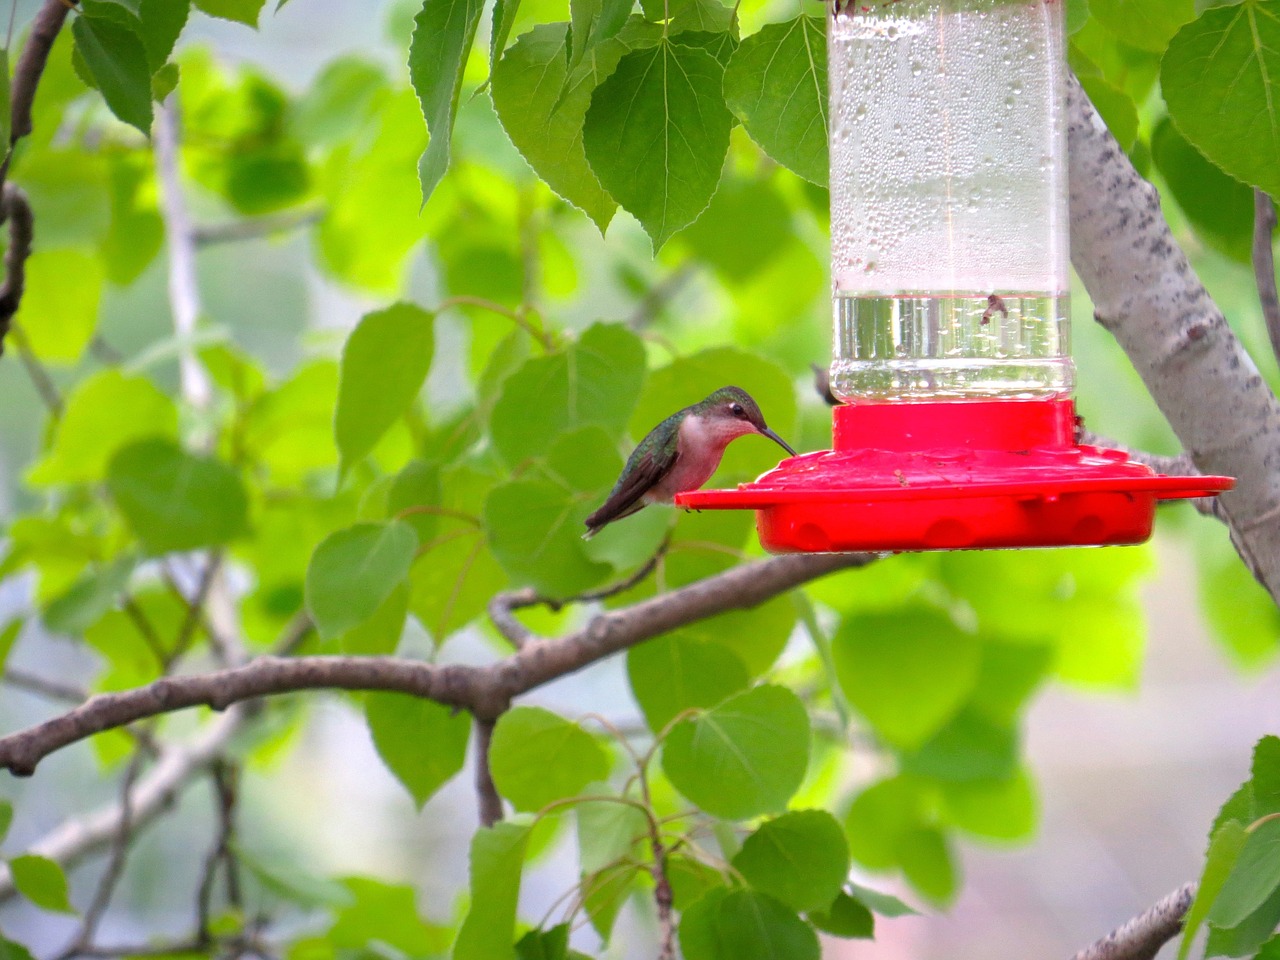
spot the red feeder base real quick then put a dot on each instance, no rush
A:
(954, 475)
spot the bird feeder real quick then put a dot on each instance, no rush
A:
(949, 266)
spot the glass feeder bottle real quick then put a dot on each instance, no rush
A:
(949, 245)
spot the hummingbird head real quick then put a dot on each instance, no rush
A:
(731, 412)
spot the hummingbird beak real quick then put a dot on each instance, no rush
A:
(766, 432)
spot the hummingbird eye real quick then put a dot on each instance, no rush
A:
(737, 411)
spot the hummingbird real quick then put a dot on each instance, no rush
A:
(681, 453)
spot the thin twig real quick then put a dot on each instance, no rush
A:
(79, 837)
(659, 295)
(520, 319)
(115, 862)
(49, 393)
(254, 228)
(1264, 265)
(17, 211)
(224, 777)
(502, 605)
(194, 616)
(1142, 937)
(31, 62)
(184, 290)
(486, 792)
(146, 630)
(52, 689)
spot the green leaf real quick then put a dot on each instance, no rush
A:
(994, 809)
(161, 23)
(1218, 81)
(443, 32)
(846, 917)
(927, 863)
(906, 672)
(380, 634)
(594, 381)
(608, 832)
(550, 944)
(656, 135)
(390, 909)
(747, 226)
(384, 364)
(504, 18)
(1146, 24)
(1253, 879)
(41, 881)
(1115, 107)
(970, 747)
(800, 858)
(1224, 849)
(537, 757)
(776, 84)
(754, 926)
(885, 904)
(176, 500)
(372, 196)
(497, 857)
(117, 59)
(11, 950)
(88, 599)
(241, 11)
(59, 318)
(698, 937)
(673, 673)
(1218, 206)
(743, 758)
(1248, 935)
(354, 570)
(880, 817)
(542, 107)
(1077, 14)
(6, 818)
(592, 22)
(1266, 776)
(534, 528)
(422, 742)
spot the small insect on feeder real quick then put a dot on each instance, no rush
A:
(949, 249)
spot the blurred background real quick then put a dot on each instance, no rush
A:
(1128, 777)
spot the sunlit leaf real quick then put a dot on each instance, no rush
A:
(800, 858)
(59, 317)
(41, 881)
(442, 35)
(176, 500)
(354, 570)
(776, 84)
(656, 135)
(742, 758)
(537, 757)
(1218, 79)
(497, 857)
(422, 742)
(384, 364)
(116, 57)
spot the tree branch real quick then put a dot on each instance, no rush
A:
(486, 789)
(1142, 937)
(1145, 292)
(484, 690)
(254, 228)
(1264, 266)
(184, 290)
(76, 839)
(30, 67)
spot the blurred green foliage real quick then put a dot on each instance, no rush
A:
(450, 448)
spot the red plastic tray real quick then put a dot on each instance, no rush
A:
(953, 475)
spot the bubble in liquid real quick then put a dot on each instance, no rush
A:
(917, 68)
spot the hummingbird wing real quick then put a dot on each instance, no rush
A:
(643, 471)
